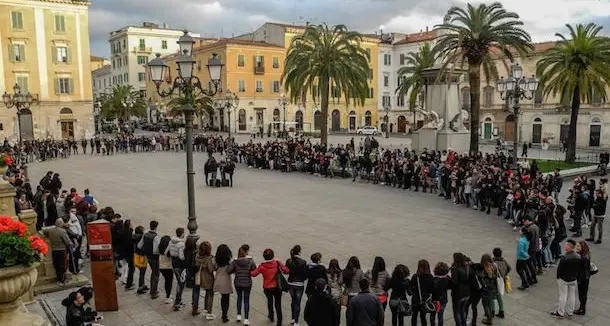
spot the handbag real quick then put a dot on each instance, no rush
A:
(139, 261)
(593, 269)
(427, 305)
(508, 288)
(402, 306)
(282, 284)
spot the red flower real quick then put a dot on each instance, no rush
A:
(38, 245)
(8, 160)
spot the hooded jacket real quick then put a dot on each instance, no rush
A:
(314, 272)
(269, 269)
(242, 267)
(176, 251)
(322, 310)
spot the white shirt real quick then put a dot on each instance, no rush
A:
(75, 225)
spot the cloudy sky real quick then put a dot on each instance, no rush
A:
(542, 18)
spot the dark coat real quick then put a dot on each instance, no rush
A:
(365, 310)
(77, 316)
(314, 272)
(322, 310)
(426, 285)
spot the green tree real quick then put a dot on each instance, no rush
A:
(576, 68)
(202, 103)
(472, 36)
(413, 82)
(122, 102)
(326, 56)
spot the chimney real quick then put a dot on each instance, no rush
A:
(165, 25)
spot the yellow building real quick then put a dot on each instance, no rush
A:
(252, 71)
(98, 62)
(44, 48)
(343, 117)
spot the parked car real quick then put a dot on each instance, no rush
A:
(368, 130)
(155, 127)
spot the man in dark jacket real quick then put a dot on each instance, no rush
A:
(76, 315)
(150, 245)
(534, 250)
(580, 204)
(599, 213)
(569, 268)
(365, 309)
(321, 309)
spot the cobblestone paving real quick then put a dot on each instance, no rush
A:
(336, 217)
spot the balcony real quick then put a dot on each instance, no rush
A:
(259, 70)
(142, 49)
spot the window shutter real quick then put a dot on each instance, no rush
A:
(22, 52)
(11, 52)
(68, 56)
(70, 86)
(57, 86)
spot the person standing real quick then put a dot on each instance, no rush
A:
(150, 245)
(583, 277)
(126, 251)
(58, 237)
(207, 267)
(461, 280)
(365, 308)
(442, 282)
(315, 271)
(176, 251)
(568, 272)
(503, 272)
(296, 282)
(321, 309)
(422, 287)
(269, 269)
(522, 260)
(490, 289)
(165, 267)
(138, 234)
(378, 277)
(222, 283)
(599, 213)
(241, 267)
(399, 287)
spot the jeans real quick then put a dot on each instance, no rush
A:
(195, 296)
(524, 273)
(567, 297)
(439, 316)
(460, 310)
(154, 275)
(243, 294)
(500, 298)
(473, 302)
(296, 294)
(59, 262)
(208, 301)
(179, 285)
(555, 244)
(274, 299)
(141, 278)
(598, 222)
(488, 306)
(168, 277)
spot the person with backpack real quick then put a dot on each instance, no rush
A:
(165, 267)
(176, 251)
(149, 244)
(139, 259)
(503, 271)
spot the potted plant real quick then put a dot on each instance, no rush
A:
(20, 254)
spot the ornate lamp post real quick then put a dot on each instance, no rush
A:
(229, 102)
(516, 88)
(21, 102)
(186, 84)
(283, 101)
(128, 104)
(386, 119)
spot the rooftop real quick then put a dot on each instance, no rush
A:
(418, 37)
(96, 58)
(203, 46)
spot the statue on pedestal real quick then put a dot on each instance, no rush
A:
(431, 119)
(457, 123)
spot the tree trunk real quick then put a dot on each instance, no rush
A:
(571, 150)
(474, 74)
(324, 94)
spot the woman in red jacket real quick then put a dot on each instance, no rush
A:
(269, 268)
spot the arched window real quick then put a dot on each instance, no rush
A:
(352, 120)
(537, 131)
(368, 118)
(595, 132)
(298, 119)
(241, 119)
(65, 111)
(276, 119)
(335, 120)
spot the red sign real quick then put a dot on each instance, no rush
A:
(100, 240)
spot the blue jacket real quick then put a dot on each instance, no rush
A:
(522, 247)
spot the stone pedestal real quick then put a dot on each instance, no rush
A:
(458, 141)
(424, 138)
(28, 217)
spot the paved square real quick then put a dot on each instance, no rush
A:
(334, 216)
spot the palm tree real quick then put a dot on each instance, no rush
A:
(116, 104)
(326, 56)
(473, 36)
(413, 81)
(202, 103)
(576, 68)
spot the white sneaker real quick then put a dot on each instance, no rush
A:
(246, 322)
(210, 317)
(238, 318)
(292, 322)
(169, 300)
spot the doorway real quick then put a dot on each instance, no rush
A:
(537, 131)
(402, 124)
(67, 130)
(352, 121)
(488, 128)
(509, 128)
(336, 121)
(595, 132)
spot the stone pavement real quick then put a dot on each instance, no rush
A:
(336, 217)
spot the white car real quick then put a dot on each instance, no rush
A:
(368, 130)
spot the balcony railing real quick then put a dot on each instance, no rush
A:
(259, 70)
(142, 49)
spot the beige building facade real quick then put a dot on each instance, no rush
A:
(44, 48)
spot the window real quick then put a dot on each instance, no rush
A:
(141, 76)
(386, 81)
(386, 100)
(402, 59)
(126, 77)
(259, 61)
(112, 48)
(259, 86)
(142, 59)
(241, 60)
(142, 43)
(17, 20)
(400, 101)
(120, 77)
(596, 100)
(400, 80)
(125, 61)
(64, 85)
(60, 23)
(22, 81)
(164, 44)
(124, 43)
(113, 64)
(241, 86)
(275, 86)
(387, 59)
(489, 96)
(370, 73)
(18, 52)
(371, 92)
(276, 62)
(61, 54)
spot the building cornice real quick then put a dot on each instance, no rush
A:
(52, 4)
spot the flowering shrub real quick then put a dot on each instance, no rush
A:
(5, 160)
(16, 246)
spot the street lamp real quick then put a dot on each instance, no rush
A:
(283, 101)
(127, 103)
(21, 102)
(387, 108)
(228, 102)
(186, 84)
(517, 87)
